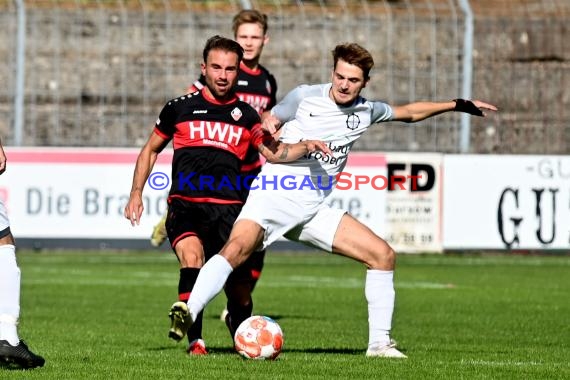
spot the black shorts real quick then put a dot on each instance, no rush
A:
(210, 222)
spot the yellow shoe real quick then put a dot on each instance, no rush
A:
(180, 321)
(159, 233)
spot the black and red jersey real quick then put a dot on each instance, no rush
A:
(258, 88)
(210, 141)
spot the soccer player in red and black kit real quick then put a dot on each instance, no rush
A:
(211, 131)
(257, 87)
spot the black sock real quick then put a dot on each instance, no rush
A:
(238, 313)
(186, 282)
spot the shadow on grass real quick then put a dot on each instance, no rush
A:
(165, 348)
(10, 366)
(343, 351)
(231, 350)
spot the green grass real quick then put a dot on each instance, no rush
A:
(97, 315)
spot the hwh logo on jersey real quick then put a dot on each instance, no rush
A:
(215, 131)
(258, 102)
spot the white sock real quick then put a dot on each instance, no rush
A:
(209, 283)
(9, 294)
(380, 294)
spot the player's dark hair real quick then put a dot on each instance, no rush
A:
(249, 16)
(355, 55)
(224, 44)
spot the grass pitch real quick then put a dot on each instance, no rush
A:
(103, 315)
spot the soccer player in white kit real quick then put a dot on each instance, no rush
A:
(13, 351)
(336, 114)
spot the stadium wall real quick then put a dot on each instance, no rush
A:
(97, 72)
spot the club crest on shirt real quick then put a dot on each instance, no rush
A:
(236, 114)
(352, 121)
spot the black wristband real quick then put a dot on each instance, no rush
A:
(467, 106)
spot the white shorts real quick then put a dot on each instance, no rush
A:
(289, 214)
(4, 222)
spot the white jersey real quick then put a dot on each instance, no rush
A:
(310, 114)
(4, 222)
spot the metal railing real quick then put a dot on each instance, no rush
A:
(96, 73)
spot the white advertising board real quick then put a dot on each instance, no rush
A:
(413, 210)
(360, 190)
(76, 193)
(506, 202)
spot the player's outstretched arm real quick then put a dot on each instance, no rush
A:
(413, 112)
(276, 151)
(143, 168)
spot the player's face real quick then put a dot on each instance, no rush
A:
(347, 82)
(252, 40)
(220, 72)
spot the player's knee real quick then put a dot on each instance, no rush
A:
(236, 252)
(383, 258)
(7, 239)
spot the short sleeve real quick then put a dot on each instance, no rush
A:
(381, 112)
(164, 125)
(286, 109)
(259, 136)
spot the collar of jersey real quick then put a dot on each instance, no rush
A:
(213, 100)
(247, 70)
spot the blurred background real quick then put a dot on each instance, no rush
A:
(96, 73)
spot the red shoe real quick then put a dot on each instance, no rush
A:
(197, 347)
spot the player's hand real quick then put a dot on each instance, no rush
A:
(317, 145)
(134, 208)
(473, 107)
(270, 123)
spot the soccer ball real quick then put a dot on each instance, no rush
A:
(259, 337)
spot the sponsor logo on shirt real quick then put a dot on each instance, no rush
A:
(236, 114)
(215, 131)
(258, 102)
(352, 121)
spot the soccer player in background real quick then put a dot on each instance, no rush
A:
(211, 131)
(337, 114)
(13, 351)
(257, 87)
